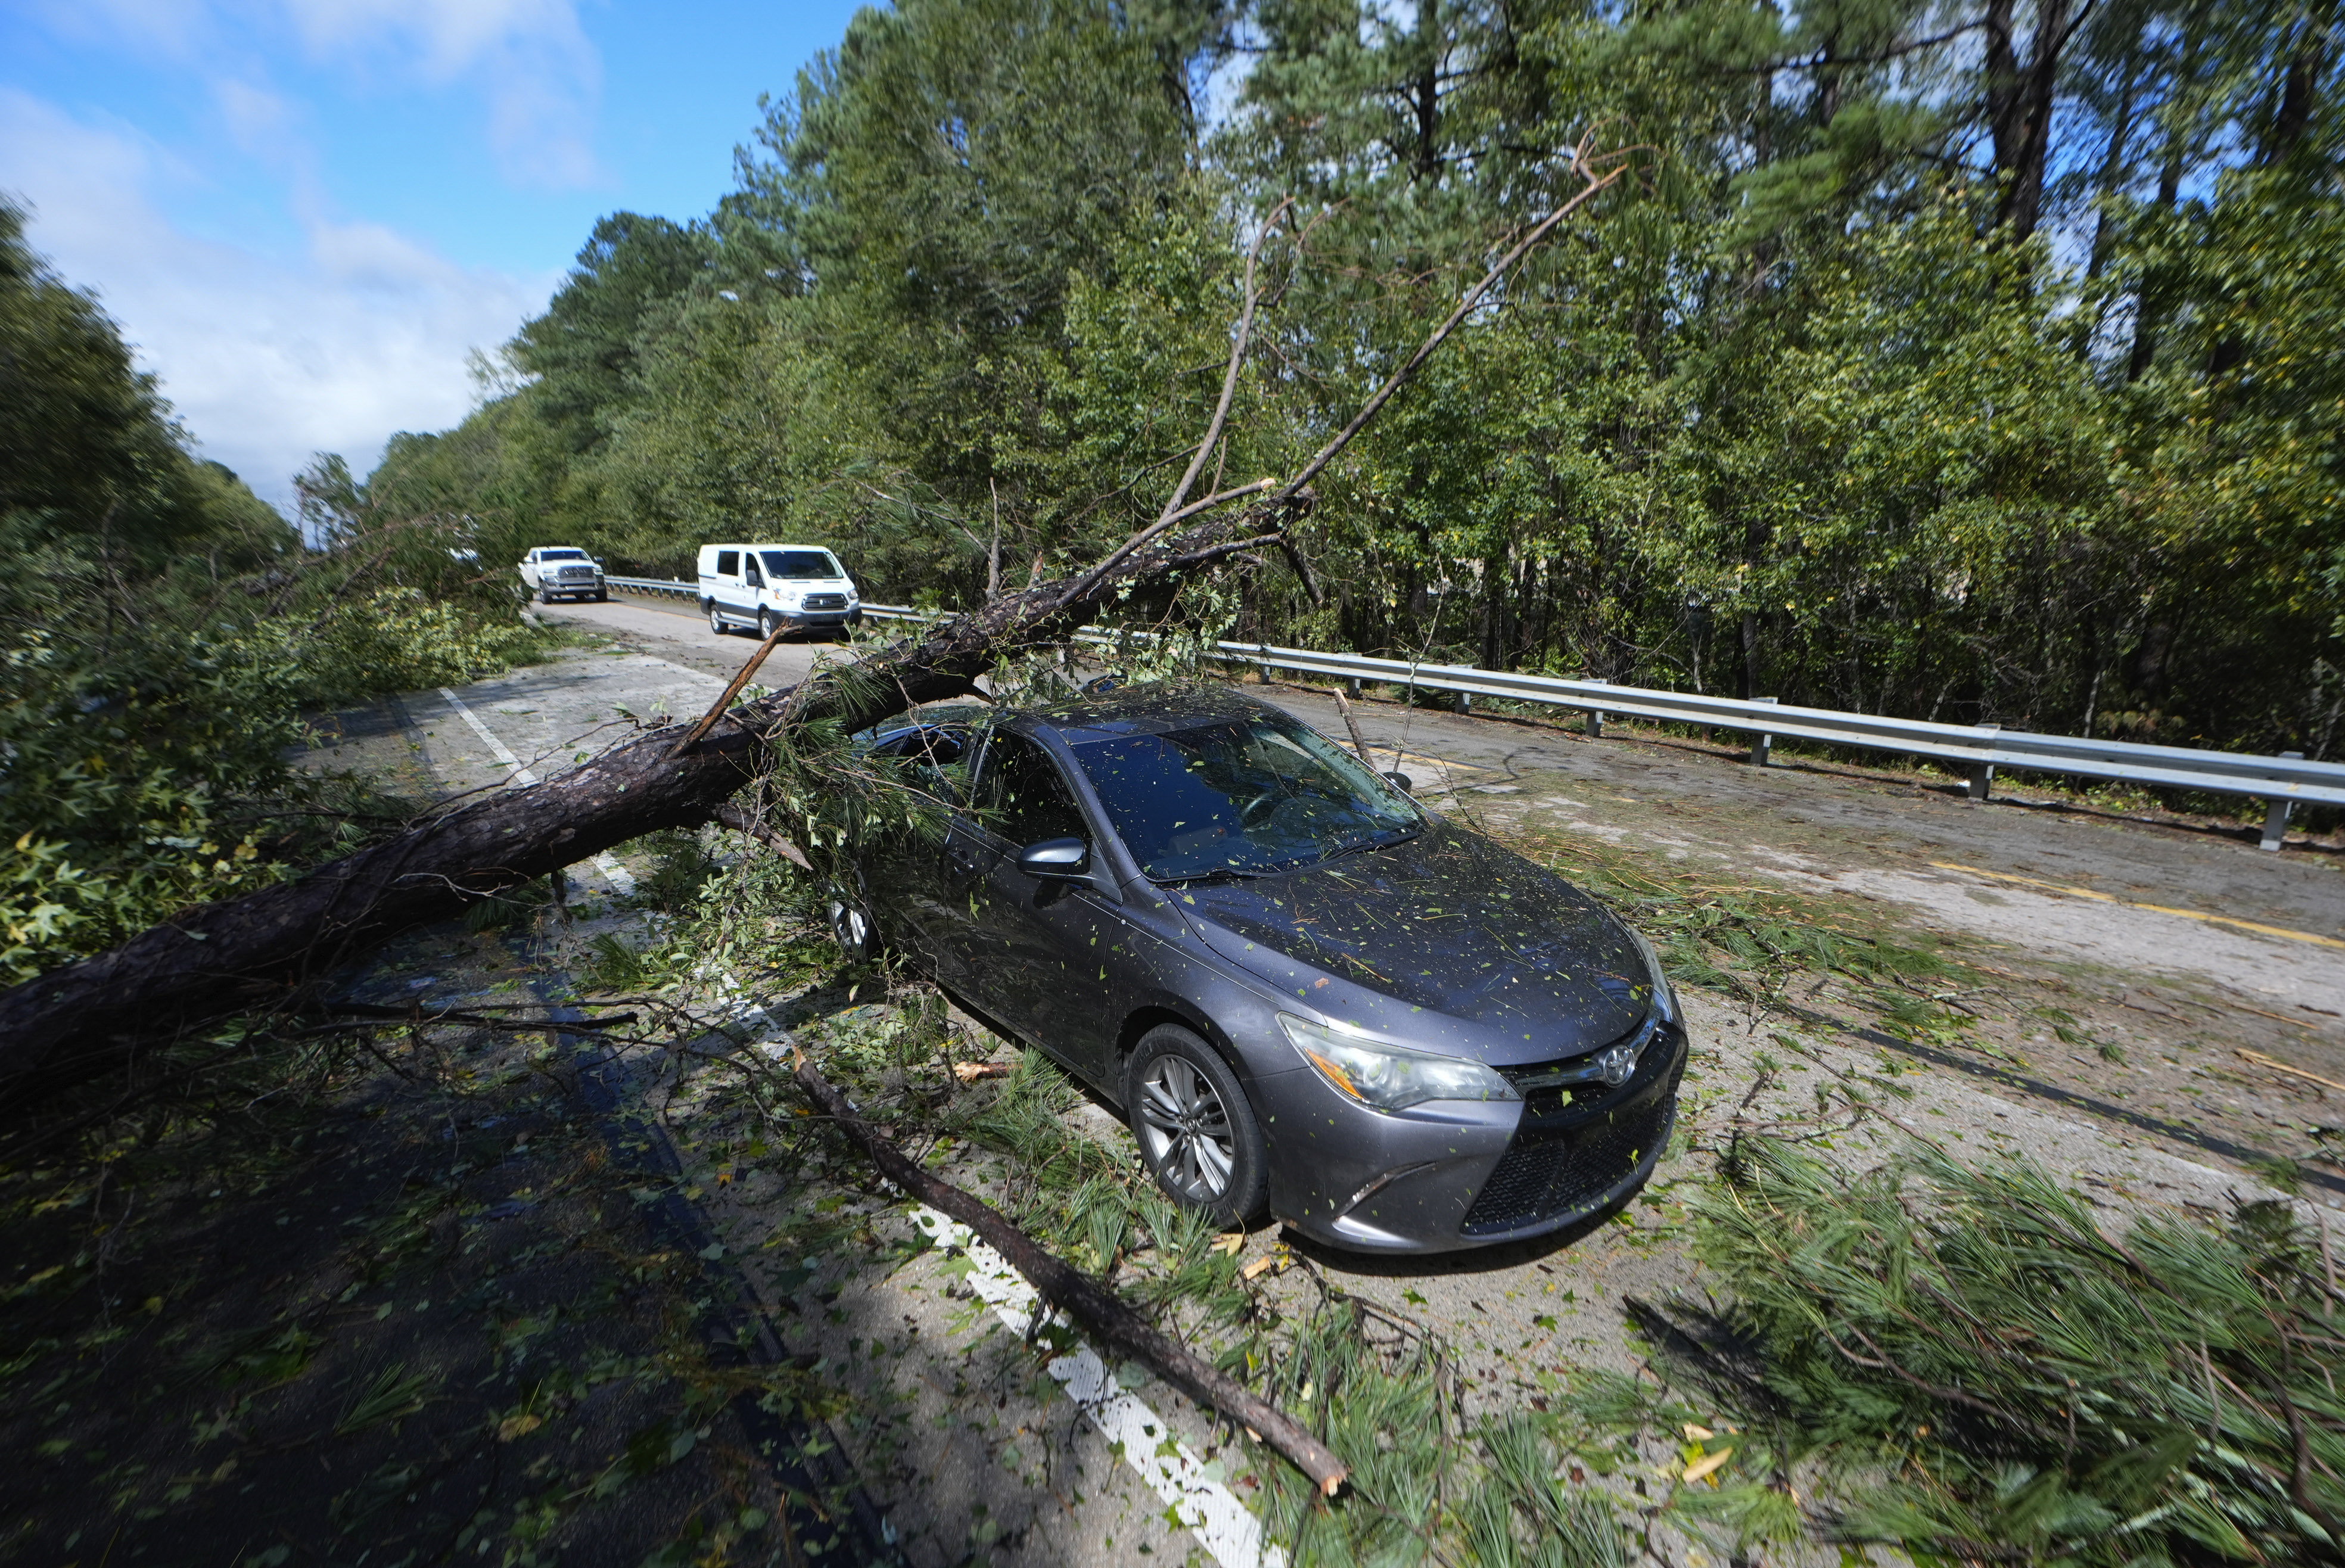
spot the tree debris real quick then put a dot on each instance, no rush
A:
(1098, 1310)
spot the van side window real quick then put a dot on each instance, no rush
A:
(749, 573)
(729, 562)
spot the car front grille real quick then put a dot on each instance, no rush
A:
(578, 574)
(825, 602)
(1548, 1171)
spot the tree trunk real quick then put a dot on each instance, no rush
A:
(2019, 103)
(2169, 186)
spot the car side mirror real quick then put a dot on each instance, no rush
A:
(1401, 781)
(1058, 859)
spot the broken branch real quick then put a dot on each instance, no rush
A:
(1099, 1311)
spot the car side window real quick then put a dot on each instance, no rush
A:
(729, 562)
(1022, 795)
(750, 576)
(938, 759)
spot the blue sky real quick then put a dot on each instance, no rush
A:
(305, 213)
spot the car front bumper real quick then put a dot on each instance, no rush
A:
(1460, 1175)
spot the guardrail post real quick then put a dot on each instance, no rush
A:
(1351, 688)
(1983, 774)
(2276, 810)
(1762, 744)
(1596, 716)
(1465, 702)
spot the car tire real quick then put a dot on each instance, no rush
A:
(1195, 1126)
(851, 928)
(764, 624)
(715, 620)
(602, 596)
(544, 594)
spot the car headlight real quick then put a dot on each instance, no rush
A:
(1665, 1000)
(1386, 1077)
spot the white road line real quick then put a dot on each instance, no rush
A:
(616, 875)
(1213, 1513)
(496, 747)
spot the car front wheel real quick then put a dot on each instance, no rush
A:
(766, 623)
(1197, 1130)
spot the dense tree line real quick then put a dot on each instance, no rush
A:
(1975, 361)
(162, 631)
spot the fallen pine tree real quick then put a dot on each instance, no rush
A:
(270, 947)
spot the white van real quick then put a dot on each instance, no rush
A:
(770, 586)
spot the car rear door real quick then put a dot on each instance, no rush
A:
(904, 863)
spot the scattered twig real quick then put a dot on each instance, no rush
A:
(740, 820)
(1359, 742)
(716, 709)
(2276, 1065)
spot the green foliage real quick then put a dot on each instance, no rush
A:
(1981, 1368)
(162, 631)
(1842, 398)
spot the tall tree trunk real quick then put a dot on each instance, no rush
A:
(2169, 186)
(1424, 95)
(2113, 167)
(2019, 102)
(2291, 112)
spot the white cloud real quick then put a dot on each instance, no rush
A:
(538, 76)
(267, 358)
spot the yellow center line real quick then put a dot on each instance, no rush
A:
(2154, 908)
(1454, 769)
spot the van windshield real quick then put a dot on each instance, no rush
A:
(800, 564)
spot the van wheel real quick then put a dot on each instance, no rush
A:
(766, 623)
(715, 620)
(1196, 1129)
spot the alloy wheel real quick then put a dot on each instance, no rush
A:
(851, 928)
(1186, 1128)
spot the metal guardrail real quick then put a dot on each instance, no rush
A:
(1979, 750)
(666, 586)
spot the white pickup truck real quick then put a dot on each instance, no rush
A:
(558, 572)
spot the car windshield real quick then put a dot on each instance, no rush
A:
(1242, 797)
(801, 563)
(562, 555)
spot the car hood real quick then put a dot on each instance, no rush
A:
(1448, 924)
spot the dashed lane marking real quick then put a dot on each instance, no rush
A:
(618, 876)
